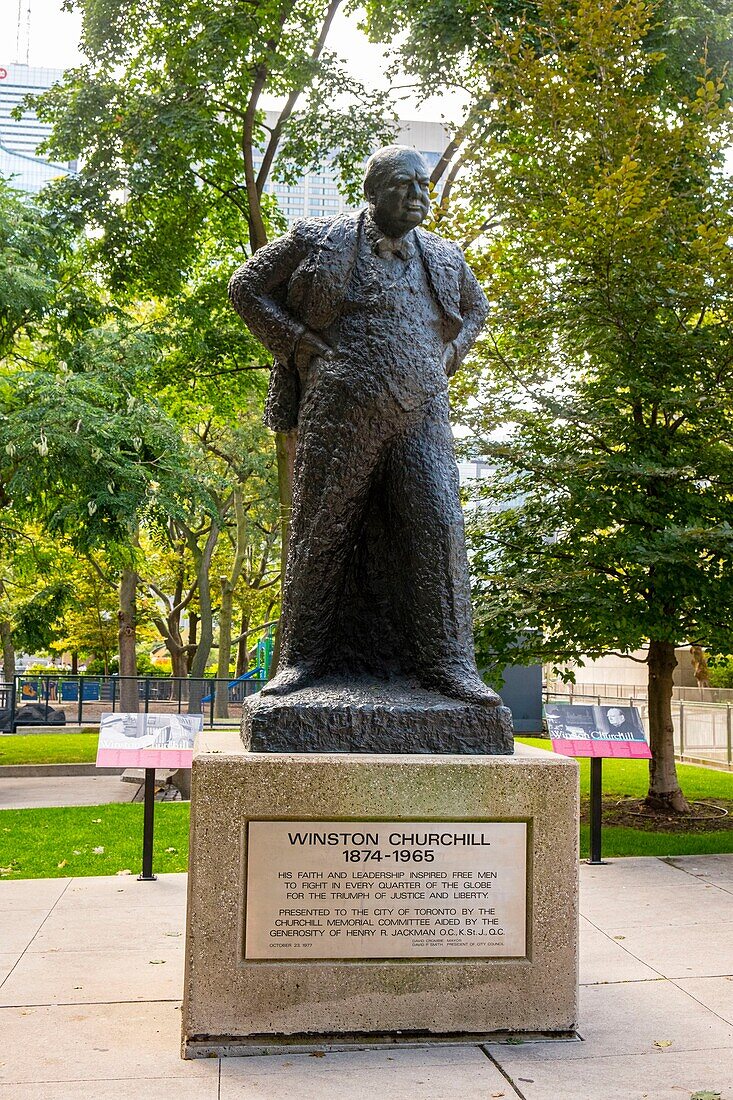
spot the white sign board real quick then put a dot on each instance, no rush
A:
(147, 740)
(386, 889)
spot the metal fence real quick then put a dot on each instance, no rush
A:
(84, 698)
(703, 731)
(621, 692)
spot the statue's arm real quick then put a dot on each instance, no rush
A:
(251, 290)
(474, 309)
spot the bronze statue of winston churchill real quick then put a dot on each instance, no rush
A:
(367, 317)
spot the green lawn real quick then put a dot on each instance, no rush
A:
(49, 748)
(61, 842)
(631, 778)
(618, 840)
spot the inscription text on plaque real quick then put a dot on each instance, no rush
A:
(386, 889)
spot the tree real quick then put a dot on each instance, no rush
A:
(87, 453)
(166, 120)
(606, 402)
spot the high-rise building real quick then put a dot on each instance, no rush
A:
(20, 138)
(316, 194)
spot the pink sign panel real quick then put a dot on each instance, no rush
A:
(579, 729)
(147, 740)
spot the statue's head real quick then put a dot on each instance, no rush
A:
(396, 186)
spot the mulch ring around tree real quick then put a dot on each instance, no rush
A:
(711, 816)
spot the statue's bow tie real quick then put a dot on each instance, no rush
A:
(400, 247)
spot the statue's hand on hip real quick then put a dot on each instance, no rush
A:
(309, 346)
(450, 359)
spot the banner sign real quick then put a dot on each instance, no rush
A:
(147, 740)
(579, 729)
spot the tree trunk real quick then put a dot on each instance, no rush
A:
(128, 641)
(193, 631)
(286, 443)
(6, 639)
(74, 663)
(206, 624)
(226, 608)
(664, 789)
(221, 697)
(242, 646)
(700, 666)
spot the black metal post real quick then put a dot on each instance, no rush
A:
(13, 702)
(114, 693)
(596, 808)
(180, 693)
(80, 709)
(148, 827)
(147, 694)
(211, 701)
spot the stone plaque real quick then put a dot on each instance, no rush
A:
(386, 889)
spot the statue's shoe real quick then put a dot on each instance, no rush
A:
(289, 679)
(467, 687)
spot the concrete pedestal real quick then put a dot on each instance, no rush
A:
(235, 1004)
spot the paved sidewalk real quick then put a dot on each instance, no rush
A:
(91, 972)
(20, 793)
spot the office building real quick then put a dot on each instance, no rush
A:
(316, 194)
(20, 138)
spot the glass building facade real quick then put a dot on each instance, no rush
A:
(20, 138)
(316, 194)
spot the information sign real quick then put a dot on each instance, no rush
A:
(147, 740)
(386, 889)
(580, 729)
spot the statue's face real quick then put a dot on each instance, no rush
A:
(401, 198)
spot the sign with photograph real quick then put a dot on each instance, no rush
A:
(579, 729)
(147, 740)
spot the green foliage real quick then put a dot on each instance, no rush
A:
(29, 264)
(85, 449)
(720, 671)
(606, 402)
(166, 118)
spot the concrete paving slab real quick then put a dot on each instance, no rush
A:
(631, 1017)
(86, 977)
(441, 1074)
(125, 1089)
(656, 1075)
(631, 871)
(68, 929)
(19, 926)
(603, 959)
(715, 993)
(7, 962)
(72, 790)
(65, 1037)
(716, 869)
(31, 893)
(97, 893)
(692, 902)
(90, 1043)
(678, 951)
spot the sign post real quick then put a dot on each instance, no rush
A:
(148, 827)
(579, 730)
(150, 741)
(596, 808)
